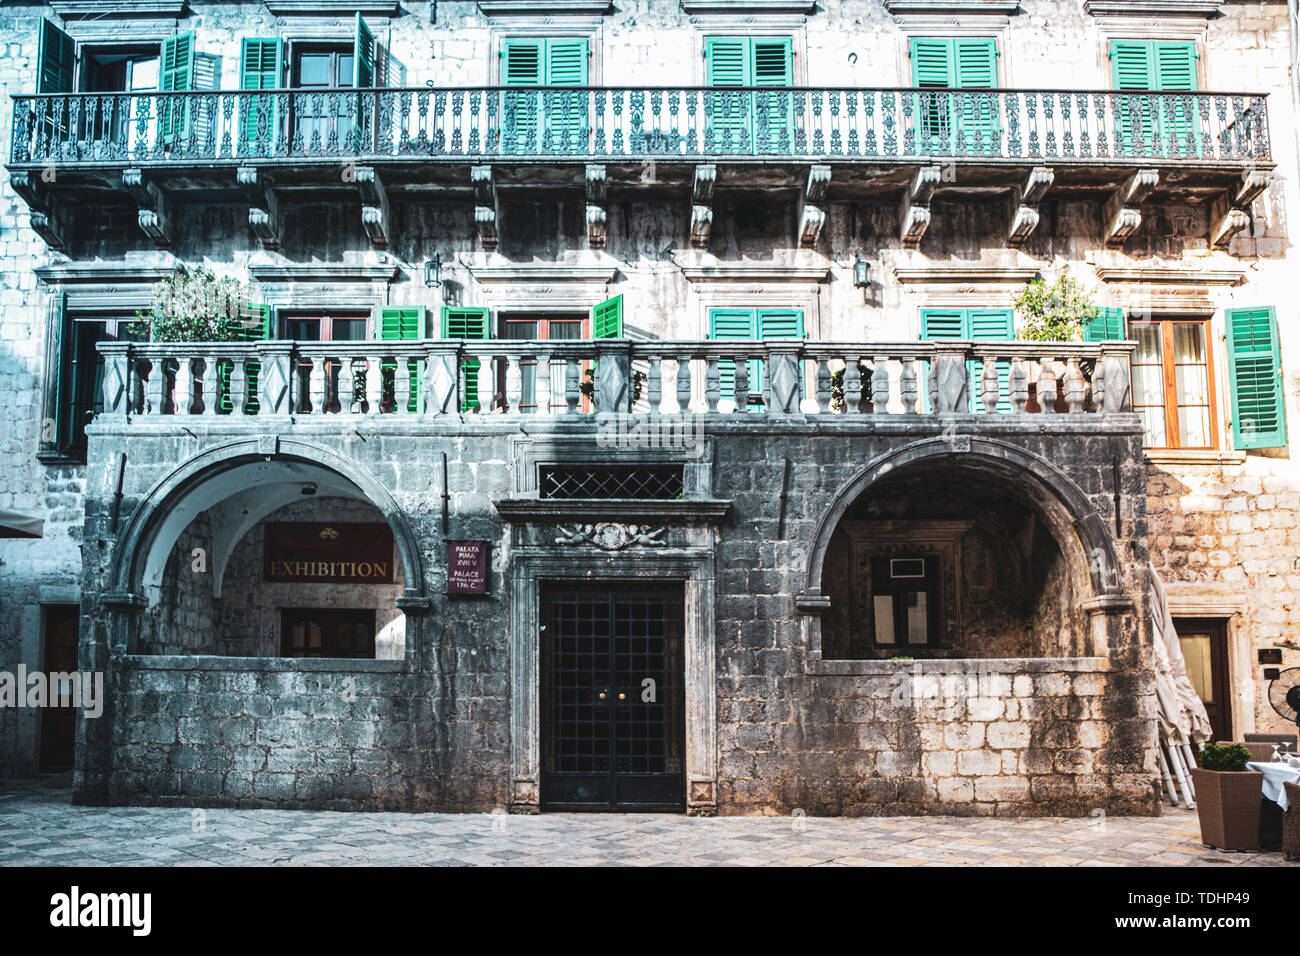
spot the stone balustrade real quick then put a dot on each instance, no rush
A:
(145, 381)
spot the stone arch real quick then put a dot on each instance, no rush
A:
(1079, 530)
(216, 474)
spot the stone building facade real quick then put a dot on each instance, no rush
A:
(828, 206)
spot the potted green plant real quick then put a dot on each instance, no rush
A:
(1055, 313)
(1227, 797)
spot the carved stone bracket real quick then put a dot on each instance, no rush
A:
(263, 207)
(46, 214)
(486, 205)
(916, 204)
(1123, 209)
(702, 204)
(596, 211)
(1230, 213)
(154, 212)
(1024, 220)
(375, 214)
(813, 215)
(611, 535)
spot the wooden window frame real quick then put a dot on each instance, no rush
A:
(1169, 380)
(331, 618)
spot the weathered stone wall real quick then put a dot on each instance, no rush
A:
(185, 619)
(783, 715)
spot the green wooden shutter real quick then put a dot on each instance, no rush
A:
(943, 324)
(1255, 375)
(727, 63)
(774, 324)
(363, 56)
(255, 325)
(991, 325)
(405, 323)
(1106, 324)
(466, 323)
(773, 65)
(523, 64)
(176, 75)
(1178, 125)
(259, 69)
(58, 58)
(607, 319)
(932, 68)
(1133, 68)
(733, 324)
(975, 67)
(565, 111)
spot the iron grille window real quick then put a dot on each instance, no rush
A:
(644, 482)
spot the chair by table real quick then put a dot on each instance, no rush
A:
(1291, 823)
(1288, 739)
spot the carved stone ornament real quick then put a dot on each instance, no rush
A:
(611, 535)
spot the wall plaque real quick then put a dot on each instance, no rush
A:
(467, 567)
(334, 551)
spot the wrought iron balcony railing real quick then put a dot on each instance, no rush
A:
(680, 123)
(158, 382)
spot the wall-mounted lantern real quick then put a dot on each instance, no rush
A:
(862, 275)
(433, 271)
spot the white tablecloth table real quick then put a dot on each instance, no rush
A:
(1276, 774)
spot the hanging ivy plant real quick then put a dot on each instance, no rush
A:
(1055, 313)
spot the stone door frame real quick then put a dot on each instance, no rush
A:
(694, 570)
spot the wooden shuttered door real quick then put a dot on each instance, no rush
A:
(405, 323)
(260, 65)
(751, 324)
(467, 323)
(1166, 124)
(992, 325)
(756, 120)
(552, 121)
(965, 118)
(176, 75)
(1255, 378)
(56, 69)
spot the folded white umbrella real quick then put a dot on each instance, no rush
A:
(15, 524)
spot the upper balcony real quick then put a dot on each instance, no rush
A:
(227, 146)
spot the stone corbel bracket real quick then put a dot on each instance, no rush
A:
(46, 217)
(916, 205)
(813, 216)
(1024, 220)
(1123, 209)
(263, 207)
(1230, 213)
(486, 206)
(596, 211)
(154, 213)
(702, 204)
(375, 214)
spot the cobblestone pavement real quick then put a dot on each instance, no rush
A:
(40, 826)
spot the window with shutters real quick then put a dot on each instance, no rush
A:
(544, 326)
(1173, 383)
(332, 119)
(323, 326)
(757, 117)
(551, 116)
(80, 378)
(962, 115)
(995, 325)
(1255, 378)
(756, 323)
(1167, 123)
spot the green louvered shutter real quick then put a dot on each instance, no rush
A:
(1133, 68)
(58, 59)
(1106, 325)
(1178, 124)
(565, 111)
(733, 324)
(774, 324)
(773, 66)
(253, 326)
(259, 69)
(976, 71)
(523, 64)
(363, 77)
(466, 323)
(932, 68)
(176, 75)
(991, 325)
(943, 324)
(607, 319)
(726, 61)
(405, 323)
(1255, 376)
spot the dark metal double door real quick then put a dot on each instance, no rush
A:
(612, 701)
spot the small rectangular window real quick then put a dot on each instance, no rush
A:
(643, 482)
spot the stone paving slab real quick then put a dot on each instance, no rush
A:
(39, 826)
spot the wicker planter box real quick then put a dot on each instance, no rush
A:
(1227, 805)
